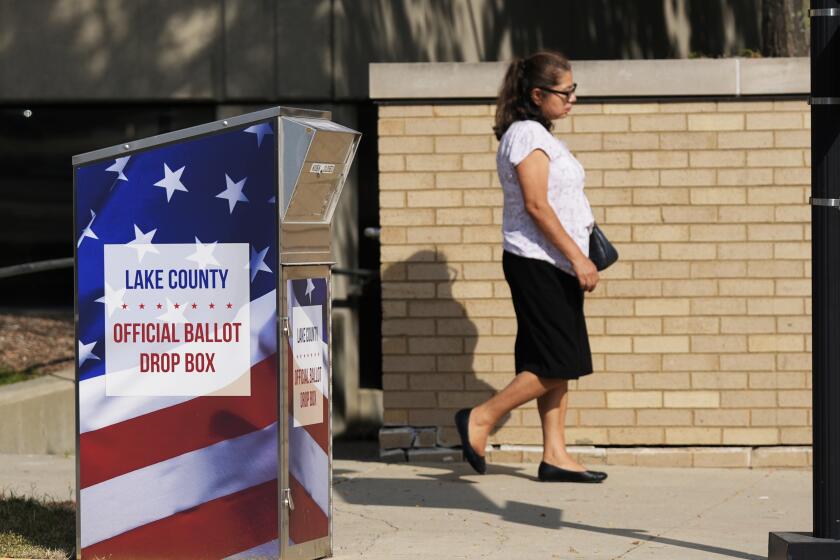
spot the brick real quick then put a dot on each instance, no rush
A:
(426, 126)
(634, 325)
(793, 362)
(718, 343)
(391, 163)
(742, 325)
(693, 436)
(734, 140)
(718, 269)
(396, 438)
(630, 141)
(433, 199)
(691, 399)
(688, 140)
(776, 343)
(688, 214)
(716, 122)
(795, 436)
(462, 180)
(461, 399)
(435, 345)
(792, 176)
(631, 178)
(433, 162)
(609, 197)
(687, 177)
(489, 308)
(744, 106)
(776, 306)
(586, 436)
(633, 215)
(748, 362)
(462, 110)
(412, 327)
(750, 436)
(404, 181)
(601, 123)
(636, 436)
(718, 158)
(774, 121)
(664, 417)
(405, 111)
(689, 288)
(779, 380)
(741, 251)
(409, 399)
(775, 232)
(748, 399)
(463, 216)
(610, 344)
(780, 457)
(691, 325)
(406, 145)
(392, 234)
(439, 308)
(719, 195)
(795, 399)
(741, 177)
(648, 233)
(782, 417)
(722, 417)
(600, 417)
(688, 107)
(465, 290)
(717, 232)
(660, 344)
(718, 306)
(436, 234)
(799, 214)
(775, 158)
(608, 308)
(745, 214)
(639, 251)
(792, 139)
(465, 253)
(605, 160)
(793, 287)
(644, 123)
(632, 362)
(485, 162)
(388, 199)
(461, 144)
(392, 417)
(665, 458)
(718, 380)
(634, 288)
(394, 381)
(775, 269)
(721, 457)
(660, 196)
(631, 108)
(662, 306)
(653, 381)
(634, 399)
(408, 290)
(793, 325)
(659, 160)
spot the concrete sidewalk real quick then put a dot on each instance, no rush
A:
(401, 511)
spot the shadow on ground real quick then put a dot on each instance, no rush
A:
(447, 489)
(36, 529)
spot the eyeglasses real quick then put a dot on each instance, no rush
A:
(566, 93)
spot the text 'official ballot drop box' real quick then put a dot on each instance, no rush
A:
(203, 326)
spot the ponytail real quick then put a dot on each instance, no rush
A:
(541, 69)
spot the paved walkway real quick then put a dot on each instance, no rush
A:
(402, 511)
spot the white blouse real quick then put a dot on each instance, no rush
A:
(565, 194)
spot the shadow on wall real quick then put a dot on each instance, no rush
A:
(429, 344)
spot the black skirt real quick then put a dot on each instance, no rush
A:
(551, 337)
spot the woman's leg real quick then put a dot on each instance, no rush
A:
(524, 387)
(552, 406)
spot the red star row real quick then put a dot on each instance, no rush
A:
(177, 306)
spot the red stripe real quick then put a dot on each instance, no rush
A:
(132, 444)
(307, 521)
(215, 529)
(319, 432)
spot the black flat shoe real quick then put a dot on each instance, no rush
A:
(462, 422)
(550, 473)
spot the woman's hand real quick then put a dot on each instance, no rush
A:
(586, 272)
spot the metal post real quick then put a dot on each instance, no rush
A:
(824, 542)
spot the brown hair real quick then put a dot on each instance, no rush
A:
(541, 69)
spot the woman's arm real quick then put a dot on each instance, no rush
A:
(533, 177)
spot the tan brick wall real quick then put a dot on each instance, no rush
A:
(700, 333)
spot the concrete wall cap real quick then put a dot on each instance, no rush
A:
(601, 78)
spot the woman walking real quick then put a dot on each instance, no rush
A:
(546, 226)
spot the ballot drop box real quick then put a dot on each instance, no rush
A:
(202, 295)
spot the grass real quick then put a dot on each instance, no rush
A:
(32, 528)
(8, 376)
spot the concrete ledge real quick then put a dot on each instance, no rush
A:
(601, 78)
(39, 416)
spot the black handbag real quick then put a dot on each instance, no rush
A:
(601, 251)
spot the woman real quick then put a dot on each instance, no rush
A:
(546, 227)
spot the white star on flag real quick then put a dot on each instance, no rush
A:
(258, 262)
(118, 167)
(112, 299)
(204, 253)
(171, 181)
(272, 200)
(86, 352)
(233, 192)
(87, 232)
(173, 315)
(142, 243)
(260, 130)
(310, 287)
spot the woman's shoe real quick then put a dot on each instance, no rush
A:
(550, 473)
(462, 422)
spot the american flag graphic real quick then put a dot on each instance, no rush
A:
(179, 475)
